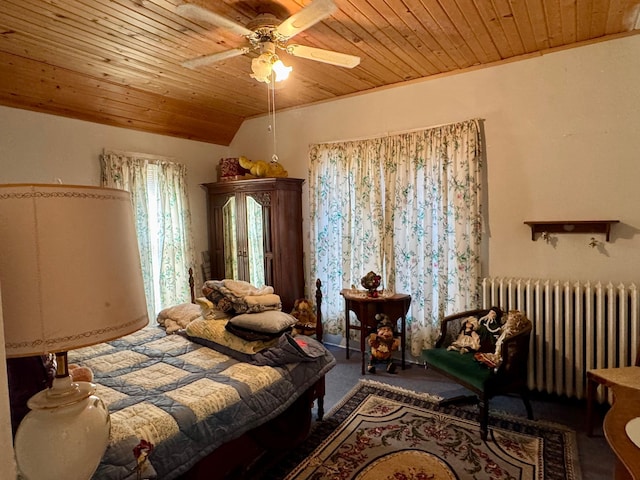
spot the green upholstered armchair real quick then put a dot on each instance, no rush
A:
(509, 376)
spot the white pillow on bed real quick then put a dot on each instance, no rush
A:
(177, 317)
(271, 321)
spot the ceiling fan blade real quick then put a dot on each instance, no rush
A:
(308, 16)
(325, 56)
(215, 57)
(195, 12)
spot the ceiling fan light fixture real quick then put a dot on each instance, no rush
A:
(281, 70)
(261, 67)
(267, 63)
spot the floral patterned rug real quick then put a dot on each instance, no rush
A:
(381, 432)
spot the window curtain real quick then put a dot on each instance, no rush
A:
(406, 206)
(163, 222)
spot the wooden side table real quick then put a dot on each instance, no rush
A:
(626, 406)
(365, 308)
(609, 377)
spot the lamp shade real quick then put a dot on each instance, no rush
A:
(69, 267)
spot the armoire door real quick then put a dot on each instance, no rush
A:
(255, 234)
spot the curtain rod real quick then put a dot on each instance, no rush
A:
(147, 156)
(398, 132)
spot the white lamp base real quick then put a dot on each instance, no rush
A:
(64, 435)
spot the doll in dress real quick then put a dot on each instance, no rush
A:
(489, 329)
(468, 340)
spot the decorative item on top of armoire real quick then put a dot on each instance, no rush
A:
(262, 169)
(230, 169)
(255, 234)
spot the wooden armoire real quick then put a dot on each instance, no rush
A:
(255, 234)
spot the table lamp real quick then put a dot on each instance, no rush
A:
(70, 277)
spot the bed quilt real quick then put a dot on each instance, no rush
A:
(184, 398)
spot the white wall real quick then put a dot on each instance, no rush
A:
(562, 144)
(41, 148)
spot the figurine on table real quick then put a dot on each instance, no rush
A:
(383, 343)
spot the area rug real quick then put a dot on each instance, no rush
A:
(381, 432)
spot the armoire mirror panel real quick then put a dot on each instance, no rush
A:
(244, 259)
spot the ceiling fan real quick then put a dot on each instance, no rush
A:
(265, 35)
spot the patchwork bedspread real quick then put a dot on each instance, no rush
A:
(184, 398)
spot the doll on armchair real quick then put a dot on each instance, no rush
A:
(479, 334)
(383, 343)
(468, 339)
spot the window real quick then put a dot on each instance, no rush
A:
(163, 222)
(405, 206)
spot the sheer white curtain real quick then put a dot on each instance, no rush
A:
(406, 206)
(163, 222)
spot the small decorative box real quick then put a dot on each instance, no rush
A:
(230, 167)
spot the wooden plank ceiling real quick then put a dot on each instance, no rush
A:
(118, 62)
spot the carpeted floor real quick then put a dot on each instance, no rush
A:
(380, 431)
(595, 457)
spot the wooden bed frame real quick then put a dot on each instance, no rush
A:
(250, 454)
(253, 452)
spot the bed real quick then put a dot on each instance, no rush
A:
(208, 412)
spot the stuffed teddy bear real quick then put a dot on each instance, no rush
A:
(468, 338)
(383, 343)
(80, 374)
(307, 320)
(262, 169)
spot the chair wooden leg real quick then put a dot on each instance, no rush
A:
(524, 393)
(483, 404)
(320, 402)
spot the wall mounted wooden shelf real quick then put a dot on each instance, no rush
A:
(572, 226)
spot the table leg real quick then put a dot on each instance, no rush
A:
(346, 326)
(363, 330)
(403, 338)
(592, 386)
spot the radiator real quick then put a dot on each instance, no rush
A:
(577, 326)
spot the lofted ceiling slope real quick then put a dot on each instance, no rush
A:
(118, 62)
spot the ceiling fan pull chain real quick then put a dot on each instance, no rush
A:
(271, 93)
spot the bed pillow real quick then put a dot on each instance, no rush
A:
(271, 321)
(214, 331)
(179, 316)
(252, 335)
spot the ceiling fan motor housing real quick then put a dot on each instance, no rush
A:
(265, 21)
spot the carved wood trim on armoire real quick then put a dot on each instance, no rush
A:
(279, 202)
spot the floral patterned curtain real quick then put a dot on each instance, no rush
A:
(157, 186)
(406, 206)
